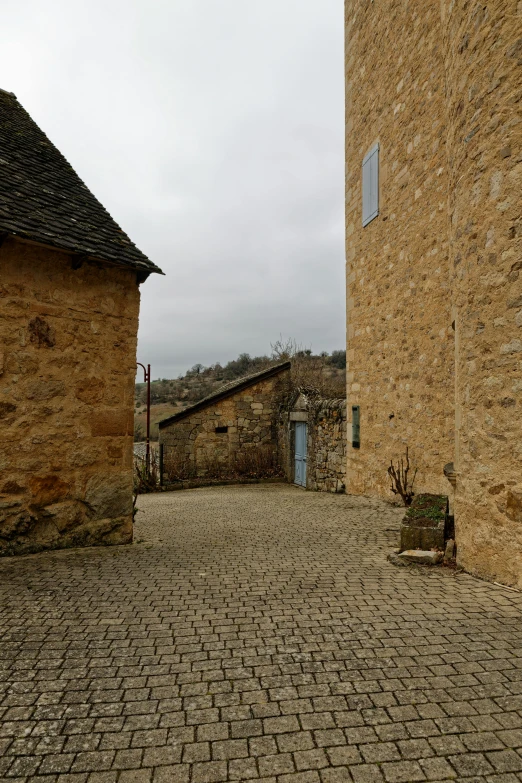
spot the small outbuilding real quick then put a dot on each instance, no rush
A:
(231, 433)
(69, 304)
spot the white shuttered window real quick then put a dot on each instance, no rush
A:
(370, 186)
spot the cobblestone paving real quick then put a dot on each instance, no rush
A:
(256, 634)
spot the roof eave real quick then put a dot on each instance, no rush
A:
(146, 270)
(224, 394)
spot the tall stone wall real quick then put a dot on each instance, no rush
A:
(438, 85)
(400, 340)
(233, 436)
(67, 368)
(483, 62)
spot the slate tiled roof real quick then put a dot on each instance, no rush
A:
(227, 391)
(44, 200)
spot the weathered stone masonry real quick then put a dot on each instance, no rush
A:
(483, 64)
(399, 338)
(433, 286)
(69, 302)
(327, 447)
(67, 367)
(247, 429)
(326, 442)
(233, 432)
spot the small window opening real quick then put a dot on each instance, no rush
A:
(370, 186)
(221, 429)
(356, 427)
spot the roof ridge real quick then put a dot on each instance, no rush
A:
(225, 390)
(244, 378)
(44, 200)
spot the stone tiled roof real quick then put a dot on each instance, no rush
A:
(43, 199)
(227, 391)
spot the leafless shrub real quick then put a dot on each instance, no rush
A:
(213, 468)
(145, 480)
(177, 465)
(400, 482)
(285, 349)
(310, 374)
(257, 462)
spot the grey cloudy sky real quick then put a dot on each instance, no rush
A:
(213, 132)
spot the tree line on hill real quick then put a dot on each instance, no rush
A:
(322, 373)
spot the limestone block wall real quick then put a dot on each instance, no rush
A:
(233, 436)
(67, 368)
(327, 445)
(326, 442)
(483, 57)
(400, 341)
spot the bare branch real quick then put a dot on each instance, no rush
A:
(399, 479)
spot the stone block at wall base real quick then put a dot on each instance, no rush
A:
(51, 519)
(70, 523)
(489, 544)
(104, 532)
(333, 485)
(109, 496)
(421, 537)
(423, 557)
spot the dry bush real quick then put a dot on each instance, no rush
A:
(213, 468)
(258, 462)
(310, 374)
(401, 482)
(145, 480)
(177, 465)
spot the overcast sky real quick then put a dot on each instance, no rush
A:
(213, 132)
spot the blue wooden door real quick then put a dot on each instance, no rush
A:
(300, 453)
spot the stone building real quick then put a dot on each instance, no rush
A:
(433, 250)
(232, 432)
(313, 443)
(69, 302)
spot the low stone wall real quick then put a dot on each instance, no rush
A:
(327, 447)
(326, 442)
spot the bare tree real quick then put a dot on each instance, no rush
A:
(311, 374)
(400, 483)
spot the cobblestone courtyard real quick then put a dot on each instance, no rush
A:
(256, 633)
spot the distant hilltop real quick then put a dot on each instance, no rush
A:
(324, 371)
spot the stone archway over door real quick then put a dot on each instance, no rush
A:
(300, 456)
